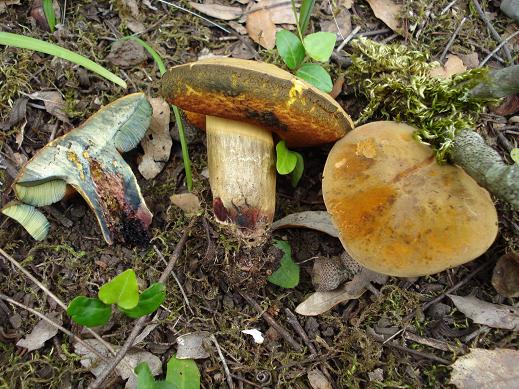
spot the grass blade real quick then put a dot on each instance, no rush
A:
(25, 42)
(48, 10)
(304, 14)
(185, 152)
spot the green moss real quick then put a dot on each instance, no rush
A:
(396, 83)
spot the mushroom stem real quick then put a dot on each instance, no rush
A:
(242, 175)
(485, 165)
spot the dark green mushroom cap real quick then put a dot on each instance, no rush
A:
(87, 158)
(257, 93)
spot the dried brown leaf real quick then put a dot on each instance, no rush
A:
(261, 28)
(127, 53)
(388, 12)
(486, 369)
(280, 10)
(505, 278)
(320, 302)
(191, 346)
(157, 141)
(492, 315)
(314, 220)
(188, 202)
(54, 103)
(41, 332)
(454, 65)
(222, 12)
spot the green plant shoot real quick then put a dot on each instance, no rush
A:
(181, 374)
(89, 312)
(25, 42)
(287, 275)
(123, 290)
(149, 301)
(178, 119)
(48, 10)
(289, 162)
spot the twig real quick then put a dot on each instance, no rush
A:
(502, 44)
(453, 38)
(292, 320)
(282, 331)
(176, 280)
(346, 40)
(139, 324)
(435, 343)
(58, 301)
(448, 7)
(493, 31)
(408, 350)
(335, 20)
(54, 324)
(224, 363)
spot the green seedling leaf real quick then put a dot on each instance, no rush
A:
(287, 276)
(156, 57)
(29, 217)
(286, 160)
(319, 45)
(149, 301)
(297, 173)
(305, 12)
(89, 312)
(316, 75)
(25, 42)
(123, 290)
(145, 379)
(48, 10)
(290, 48)
(515, 155)
(183, 373)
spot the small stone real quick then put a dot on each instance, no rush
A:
(376, 375)
(511, 9)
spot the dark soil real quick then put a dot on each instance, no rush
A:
(215, 268)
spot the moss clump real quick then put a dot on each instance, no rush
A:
(397, 85)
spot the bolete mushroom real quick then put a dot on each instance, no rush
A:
(243, 102)
(87, 159)
(397, 211)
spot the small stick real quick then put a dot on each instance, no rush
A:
(54, 324)
(492, 30)
(502, 44)
(346, 40)
(224, 363)
(139, 324)
(45, 290)
(453, 38)
(292, 320)
(270, 320)
(176, 280)
(435, 343)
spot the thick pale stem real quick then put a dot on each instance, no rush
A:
(242, 175)
(485, 165)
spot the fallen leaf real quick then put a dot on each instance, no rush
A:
(191, 346)
(388, 12)
(243, 51)
(509, 105)
(188, 202)
(492, 315)
(53, 102)
(314, 220)
(261, 28)
(454, 65)
(486, 369)
(41, 332)
(318, 380)
(157, 140)
(505, 278)
(256, 335)
(346, 3)
(127, 53)
(130, 14)
(16, 115)
(222, 12)
(280, 10)
(237, 27)
(337, 86)
(124, 369)
(471, 60)
(342, 20)
(320, 302)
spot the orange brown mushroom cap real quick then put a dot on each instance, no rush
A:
(397, 211)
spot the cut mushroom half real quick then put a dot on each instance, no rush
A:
(397, 211)
(87, 159)
(244, 101)
(29, 218)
